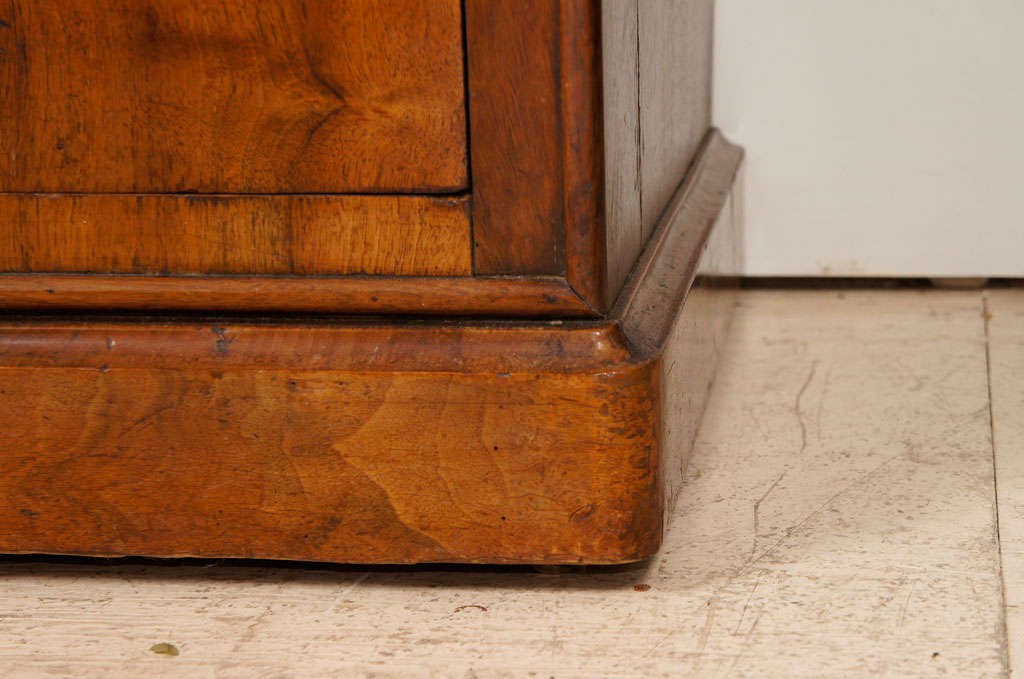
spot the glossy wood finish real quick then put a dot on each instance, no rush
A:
(280, 96)
(583, 140)
(376, 442)
(579, 136)
(302, 235)
(313, 345)
(328, 465)
(523, 418)
(547, 297)
(276, 235)
(535, 119)
(513, 73)
(585, 116)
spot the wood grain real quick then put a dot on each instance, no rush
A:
(678, 302)
(621, 67)
(293, 96)
(513, 73)
(582, 109)
(372, 440)
(585, 117)
(302, 235)
(675, 96)
(553, 85)
(547, 297)
(322, 345)
(657, 77)
(375, 442)
(535, 102)
(670, 262)
(305, 461)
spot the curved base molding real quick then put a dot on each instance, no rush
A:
(543, 442)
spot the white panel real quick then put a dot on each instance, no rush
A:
(884, 137)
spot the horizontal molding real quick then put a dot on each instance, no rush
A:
(547, 297)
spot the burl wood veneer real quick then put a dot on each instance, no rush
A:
(380, 282)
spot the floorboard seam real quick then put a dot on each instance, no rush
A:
(1004, 632)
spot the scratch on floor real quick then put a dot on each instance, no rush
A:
(659, 643)
(796, 407)
(757, 510)
(822, 507)
(250, 629)
(746, 604)
(355, 583)
(705, 633)
(821, 402)
(746, 643)
(906, 605)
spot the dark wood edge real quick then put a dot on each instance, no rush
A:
(539, 174)
(548, 297)
(657, 287)
(583, 155)
(388, 347)
(512, 76)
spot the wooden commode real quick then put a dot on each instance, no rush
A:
(375, 281)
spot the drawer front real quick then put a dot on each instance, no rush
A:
(303, 156)
(306, 235)
(232, 96)
(184, 137)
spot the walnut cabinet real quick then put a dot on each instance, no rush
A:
(379, 281)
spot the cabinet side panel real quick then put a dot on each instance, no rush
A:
(693, 349)
(623, 223)
(675, 95)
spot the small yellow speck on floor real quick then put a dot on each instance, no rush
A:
(164, 649)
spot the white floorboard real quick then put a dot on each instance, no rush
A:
(1005, 310)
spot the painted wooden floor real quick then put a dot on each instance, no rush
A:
(839, 520)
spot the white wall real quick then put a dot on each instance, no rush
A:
(883, 137)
